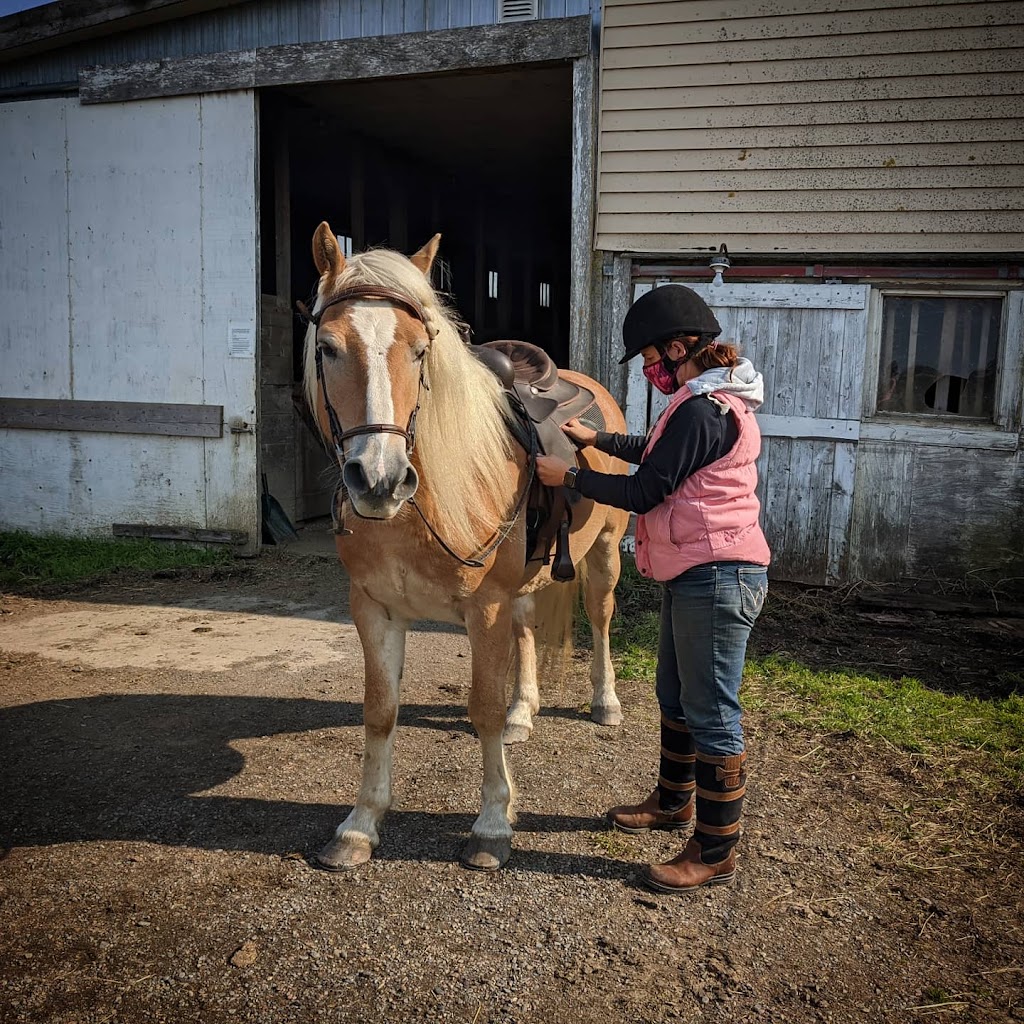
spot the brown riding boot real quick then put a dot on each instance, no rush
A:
(709, 857)
(636, 818)
(688, 871)
(670, 806)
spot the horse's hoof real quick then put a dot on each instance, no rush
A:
(487, 854)
(603, 714)
(515, 734)
(343, 853)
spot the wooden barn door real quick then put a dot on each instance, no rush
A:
(808, 340)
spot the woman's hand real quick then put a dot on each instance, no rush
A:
(584, 436)
(551, 470)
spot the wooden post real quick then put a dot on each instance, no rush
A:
(282, 215)
(479, 269)
(581, 348)
(357, 194)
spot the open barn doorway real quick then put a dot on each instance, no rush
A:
(484, 158)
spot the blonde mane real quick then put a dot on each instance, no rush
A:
(462, 442)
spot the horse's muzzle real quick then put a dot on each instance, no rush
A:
(377, 491)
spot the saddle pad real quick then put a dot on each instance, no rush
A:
(593, 418)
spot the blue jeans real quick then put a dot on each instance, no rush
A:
(706, 617)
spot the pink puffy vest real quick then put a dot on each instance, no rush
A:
(713, 515)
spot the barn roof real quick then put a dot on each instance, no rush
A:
(58, 24)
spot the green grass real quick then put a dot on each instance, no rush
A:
(902, 712)
(27, 560)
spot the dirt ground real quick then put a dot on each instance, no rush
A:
(174, 746)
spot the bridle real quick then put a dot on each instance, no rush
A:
(339, 436)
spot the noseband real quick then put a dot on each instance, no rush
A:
(339, 436)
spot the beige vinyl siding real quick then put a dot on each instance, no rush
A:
(822, 126)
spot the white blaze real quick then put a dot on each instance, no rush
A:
(376, 326)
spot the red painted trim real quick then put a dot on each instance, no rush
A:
(820, 271)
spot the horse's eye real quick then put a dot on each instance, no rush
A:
(327, 347)
(419, 352)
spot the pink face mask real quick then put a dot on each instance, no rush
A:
(662, 377)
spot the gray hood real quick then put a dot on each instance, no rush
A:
(741, 380)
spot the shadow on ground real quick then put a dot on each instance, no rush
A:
(137, 768)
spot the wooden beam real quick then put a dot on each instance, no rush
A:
(940, 434)
(413, 53)
(808, 428)
(70, 21)
(185, 533)
(112, 417)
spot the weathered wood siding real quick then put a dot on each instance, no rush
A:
(129, 276)
(267, 23)
(812, 126)
(846, 497)
(935, 512)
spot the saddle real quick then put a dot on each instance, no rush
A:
(542, 401)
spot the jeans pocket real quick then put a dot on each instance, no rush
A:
(753, 582)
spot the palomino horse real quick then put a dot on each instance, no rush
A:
(433, 529)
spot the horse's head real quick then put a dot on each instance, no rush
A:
(371, 338)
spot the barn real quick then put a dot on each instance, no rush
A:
(852, 168)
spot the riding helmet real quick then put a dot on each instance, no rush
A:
(664, 313)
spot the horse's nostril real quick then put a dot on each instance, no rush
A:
(354, 477)
(407, 488)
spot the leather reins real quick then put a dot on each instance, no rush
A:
(339, 436)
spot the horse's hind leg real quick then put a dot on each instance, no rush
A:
(490, 845)
(383, 640)
(525, 698)
(603, 566)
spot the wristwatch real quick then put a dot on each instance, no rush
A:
(569, 480)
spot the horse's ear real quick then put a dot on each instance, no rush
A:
(326, 255)
(424, 258)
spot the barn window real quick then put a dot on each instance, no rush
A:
(939, 354)
(492, 284)
(545, 294)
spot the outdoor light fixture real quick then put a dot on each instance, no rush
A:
(720, 263)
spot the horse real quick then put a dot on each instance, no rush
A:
(431, 505)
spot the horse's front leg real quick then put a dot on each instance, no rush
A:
(525, 697)
(489, 627)
(383, 638)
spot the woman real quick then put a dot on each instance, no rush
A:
(698, 534)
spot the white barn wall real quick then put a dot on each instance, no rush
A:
(149, 255)
(34, 225)
(230, 284)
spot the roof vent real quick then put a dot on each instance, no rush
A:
(518, 10)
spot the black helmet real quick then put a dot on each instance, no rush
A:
(665, 313)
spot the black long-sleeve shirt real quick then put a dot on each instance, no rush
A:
(698, 433)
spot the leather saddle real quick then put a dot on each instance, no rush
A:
(543, 401)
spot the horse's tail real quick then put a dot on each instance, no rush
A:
(555, 617)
